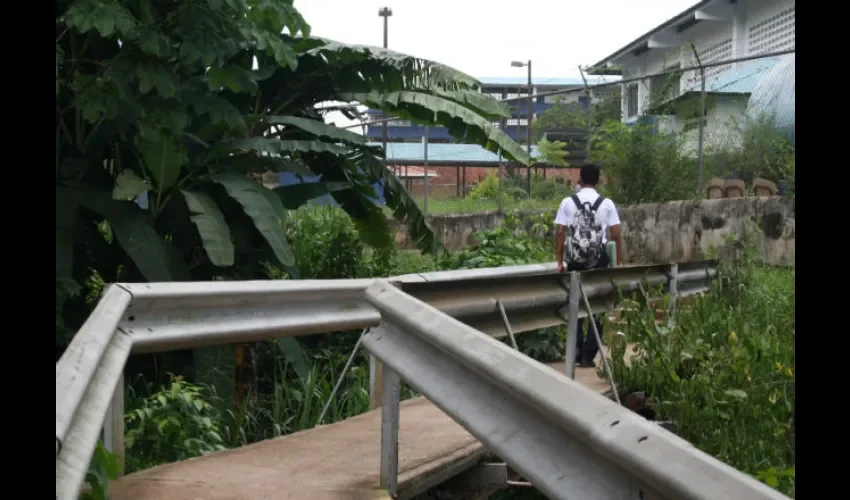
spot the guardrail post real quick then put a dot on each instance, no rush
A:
(674, 292)
(113, 425)
(375, 382)
(572, 326)
(389, 431)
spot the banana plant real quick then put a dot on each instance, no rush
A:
(182, 102)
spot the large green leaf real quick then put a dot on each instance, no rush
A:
(404, 207)
(232, 77)
(481, 103)
(129, 186)
(264, 208)
(163, 159)
(295, 195)
(275, 147)
(296, 356)
(423, 70)
(317, 128)
(463, 123)
(156, 258)
(212, 227)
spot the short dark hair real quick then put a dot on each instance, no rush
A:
(589, 174)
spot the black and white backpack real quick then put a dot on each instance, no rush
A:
(584, 235)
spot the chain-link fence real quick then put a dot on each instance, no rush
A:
(659, 137)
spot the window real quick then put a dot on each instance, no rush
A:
(398, 123)
(513, 122)
(632, 100)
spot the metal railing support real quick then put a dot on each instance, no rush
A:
(572, 326)
(389, 430)
(113, 425)
(376, 377)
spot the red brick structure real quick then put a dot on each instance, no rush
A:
(448, 179)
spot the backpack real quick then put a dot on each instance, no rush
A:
(584, 235)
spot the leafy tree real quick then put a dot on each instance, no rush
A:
(180, 101)
(553, 153)
(567, 115)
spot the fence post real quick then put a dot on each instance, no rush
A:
(113, 425)
(376, 372)
(501, 208)
(572, 326)
(674, 292)
(389, 432)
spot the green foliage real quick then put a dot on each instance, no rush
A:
(759, 150)
(643, 166)
(568, 115)
(520, 241)
(176, 423)
(104, 467)
(553, 153)
(325, 242)
(725, 372)
(184, 101)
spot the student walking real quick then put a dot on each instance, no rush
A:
(584, 221)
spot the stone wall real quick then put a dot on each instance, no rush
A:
(660, 232)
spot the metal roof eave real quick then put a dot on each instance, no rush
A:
(642, 42)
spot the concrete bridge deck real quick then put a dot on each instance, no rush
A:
(336, 461)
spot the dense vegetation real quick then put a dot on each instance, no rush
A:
(724, 373)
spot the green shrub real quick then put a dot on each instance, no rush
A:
(325, 243)
(644, 166)
(725, 372)
(174, 424)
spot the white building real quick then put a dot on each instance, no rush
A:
(719, 30)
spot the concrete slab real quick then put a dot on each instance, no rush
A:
(336, 461)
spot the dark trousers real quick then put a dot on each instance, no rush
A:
(587, 349)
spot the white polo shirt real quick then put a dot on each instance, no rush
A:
(606, 215)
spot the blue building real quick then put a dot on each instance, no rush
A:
(500, 89)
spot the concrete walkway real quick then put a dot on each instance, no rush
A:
(336, 461)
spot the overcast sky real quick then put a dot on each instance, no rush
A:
(482, 37)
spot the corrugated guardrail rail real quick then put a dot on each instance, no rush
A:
(568, 440)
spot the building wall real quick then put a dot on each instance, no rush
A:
(757, 26)
(724, 116)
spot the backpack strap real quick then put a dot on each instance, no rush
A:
(597, 203)
(576, 201)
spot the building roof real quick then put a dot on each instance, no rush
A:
(742, 79)
(414, 152)
(677, 23)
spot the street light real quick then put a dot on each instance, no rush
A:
(519, 64)
(385, 12)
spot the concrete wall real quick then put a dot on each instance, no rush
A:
(661, 232)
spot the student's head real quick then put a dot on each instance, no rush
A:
(589, 175)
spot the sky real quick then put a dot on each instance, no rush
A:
(482, 37)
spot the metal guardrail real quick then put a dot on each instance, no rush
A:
(166, 316)
(568, 440)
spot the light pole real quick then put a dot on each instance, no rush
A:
(518, 64)
(385, 12)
